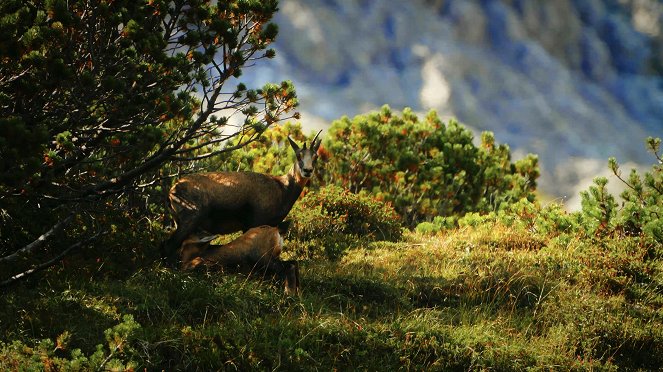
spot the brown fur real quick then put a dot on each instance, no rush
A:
(256, 251)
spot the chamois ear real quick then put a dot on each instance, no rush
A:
(293, 144)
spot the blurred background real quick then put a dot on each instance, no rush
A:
(574, 81)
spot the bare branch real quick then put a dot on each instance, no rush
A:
(50, 262)
(40, 241)
(218, 152)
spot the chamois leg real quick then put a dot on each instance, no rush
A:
(193, 263)
(286, 271)
(193, 251)
(292, 277)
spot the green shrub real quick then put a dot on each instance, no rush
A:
(548, 221)
(438, 224)
(425, 168)
(49, 355)
(329, 220)
(641, 211)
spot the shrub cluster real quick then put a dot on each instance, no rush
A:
(327, 221)
(57, 356)
(601, 217)
(435, 178)
(424, 167)
(545, 221)
(641, 210)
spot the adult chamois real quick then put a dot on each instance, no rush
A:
(256, 252)
(226, 202)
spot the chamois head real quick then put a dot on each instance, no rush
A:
(306, 157)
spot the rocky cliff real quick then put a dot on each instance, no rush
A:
(575, 81)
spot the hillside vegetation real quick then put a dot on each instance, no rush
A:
(420, 246)
(519, 285)
(489, 296)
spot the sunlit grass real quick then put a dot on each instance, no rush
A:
(485, 297)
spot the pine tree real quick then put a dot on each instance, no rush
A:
(97, 96)
(641, 210)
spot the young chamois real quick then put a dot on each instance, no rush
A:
(256, 252)
(226, 202)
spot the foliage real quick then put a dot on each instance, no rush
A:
(327, 221)
(425, 168)
(96, 97)
(602, 216)
(641, 210)
(428, 169)
(544, 222)
(49, 355)
(271, 153)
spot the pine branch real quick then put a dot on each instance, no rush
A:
(39, 242)
(50, 262)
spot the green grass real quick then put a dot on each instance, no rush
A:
(488, 297)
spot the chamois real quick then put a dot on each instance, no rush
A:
(226, 202)
(256, 251)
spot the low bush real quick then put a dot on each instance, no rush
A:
(641, 211)
(548, 221)
(328, 221)
(425, 167)
(49, 355)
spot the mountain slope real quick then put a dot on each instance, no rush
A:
(570, 80)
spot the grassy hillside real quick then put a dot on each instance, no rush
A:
(483, 297)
